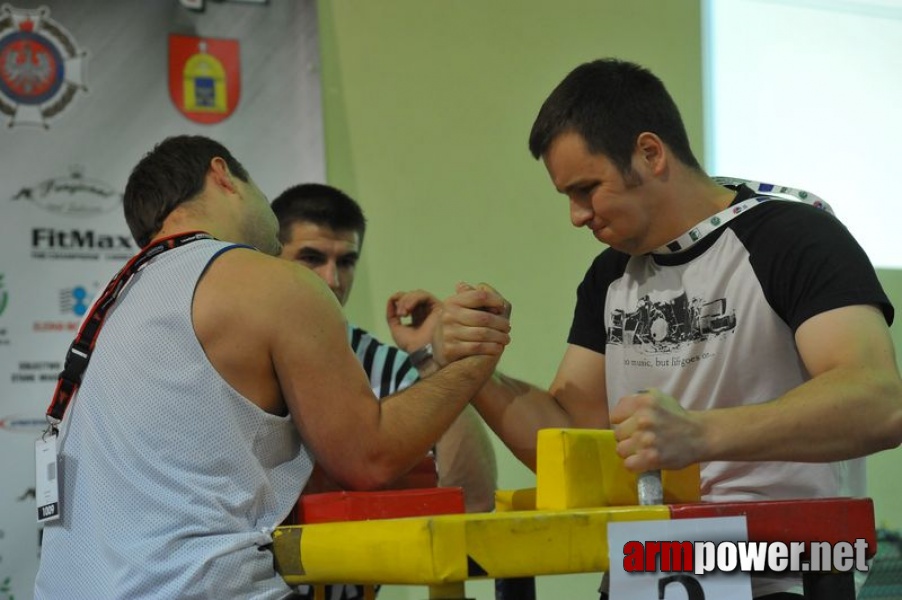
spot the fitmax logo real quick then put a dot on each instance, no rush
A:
(43, 237)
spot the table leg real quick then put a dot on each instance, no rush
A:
(829, 586)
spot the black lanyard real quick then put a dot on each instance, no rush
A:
(79, 353)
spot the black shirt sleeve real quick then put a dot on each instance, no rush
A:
(588, 329)
(808, 262)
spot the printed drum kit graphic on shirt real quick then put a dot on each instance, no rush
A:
(665, 326)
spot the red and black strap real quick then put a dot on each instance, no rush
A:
(79, 354)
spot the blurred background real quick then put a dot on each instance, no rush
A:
(420, 110)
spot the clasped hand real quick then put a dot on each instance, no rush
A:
(423, 310)
(474, 321)
(654, 432)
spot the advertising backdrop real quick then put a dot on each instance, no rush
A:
(87, 87)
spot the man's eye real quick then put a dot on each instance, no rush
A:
(348, 263)
(582, 193)
(311, 260)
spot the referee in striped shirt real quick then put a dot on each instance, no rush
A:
(322, 228)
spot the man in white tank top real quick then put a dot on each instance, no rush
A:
(217, 374)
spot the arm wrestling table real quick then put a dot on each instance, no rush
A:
(560, 527)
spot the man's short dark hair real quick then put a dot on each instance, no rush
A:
(609, 102)
(319, 204)
(172, 173)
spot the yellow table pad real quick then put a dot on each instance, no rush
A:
(451, 548)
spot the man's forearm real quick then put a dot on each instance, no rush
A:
(516, 410)
(410, 422)
(841, 414)
(465, 458)
(464, 455)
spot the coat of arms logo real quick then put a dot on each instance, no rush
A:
(41, 67)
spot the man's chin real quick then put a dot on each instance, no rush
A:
(601, 236)
(620, 245)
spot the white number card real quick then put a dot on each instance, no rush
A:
(46, 493)
(680, 559)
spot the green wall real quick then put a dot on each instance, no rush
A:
(428, 105)
(885, 468)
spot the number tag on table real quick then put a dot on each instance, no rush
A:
(679, 559)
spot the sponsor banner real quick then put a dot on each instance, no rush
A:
(204, 77)
(41, 66)
(29, 425)
(86, 88)
(72, 195)
(4, 302)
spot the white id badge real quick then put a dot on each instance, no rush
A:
(46, 482)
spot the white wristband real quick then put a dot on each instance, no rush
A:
(419, 357)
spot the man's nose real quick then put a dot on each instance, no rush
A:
(330, 275)
(580, 213)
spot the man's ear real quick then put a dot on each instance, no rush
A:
(220, 174)
(651, 151)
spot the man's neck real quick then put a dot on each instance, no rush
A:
(692, 198)
(179, 222)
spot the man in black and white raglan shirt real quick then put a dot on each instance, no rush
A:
(713, 324)
(720, 327)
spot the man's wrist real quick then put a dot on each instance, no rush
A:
(421, 357)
